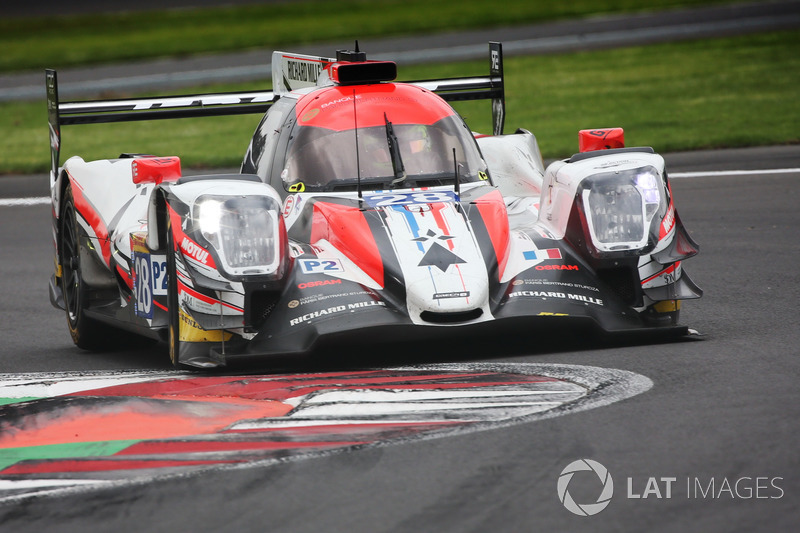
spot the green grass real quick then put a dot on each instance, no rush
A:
(58, 42)
(682, 96)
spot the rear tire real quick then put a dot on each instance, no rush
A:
(86, 332)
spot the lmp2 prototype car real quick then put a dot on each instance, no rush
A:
(364, 208)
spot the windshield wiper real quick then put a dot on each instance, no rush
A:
(394, 153)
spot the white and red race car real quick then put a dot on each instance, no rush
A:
(365, 209)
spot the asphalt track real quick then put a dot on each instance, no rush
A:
(722, 409)
(723, 406)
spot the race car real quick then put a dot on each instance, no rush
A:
(364, 209)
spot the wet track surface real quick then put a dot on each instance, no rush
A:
(721, 417)
(697, 435)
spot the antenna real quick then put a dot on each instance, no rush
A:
(358, 158)
(455, 165)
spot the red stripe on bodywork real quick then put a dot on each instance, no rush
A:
(347, 229)
(93, 218)
(493, 211)
(441, 223)
(125, 277)
(668, 222)
(180, 239)
(182, 287)
(670, 269)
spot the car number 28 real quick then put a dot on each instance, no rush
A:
(149, 279)
(419, 197)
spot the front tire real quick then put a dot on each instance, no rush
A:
(662, 314)
(172, 301)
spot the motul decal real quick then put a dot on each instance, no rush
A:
(186, 245)
(669, 221)
(194, 250)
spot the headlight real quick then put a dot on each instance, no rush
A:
(620, 208)
(243, 230)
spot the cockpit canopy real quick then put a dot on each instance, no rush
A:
(332, 138)
(322, 159)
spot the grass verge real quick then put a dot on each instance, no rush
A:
(681, 96)
(34, 43)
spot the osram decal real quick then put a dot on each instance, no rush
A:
(311, 284)
(557, 267)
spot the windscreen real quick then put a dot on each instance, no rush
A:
(320, 159)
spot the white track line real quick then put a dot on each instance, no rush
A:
(12, 202)
(712, 173)
(41, 200)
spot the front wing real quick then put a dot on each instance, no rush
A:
(318, 309)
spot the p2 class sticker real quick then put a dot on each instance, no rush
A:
(320, 266)
(389, 199)
(149, 280)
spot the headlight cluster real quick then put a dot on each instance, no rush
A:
(243, 230)
(620, 208)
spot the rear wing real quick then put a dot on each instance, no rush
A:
(289, 72)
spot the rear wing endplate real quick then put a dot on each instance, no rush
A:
(289, 72)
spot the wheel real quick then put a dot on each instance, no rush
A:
(86, 332)
(187, 340)
(664, 313)
(172, 301)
